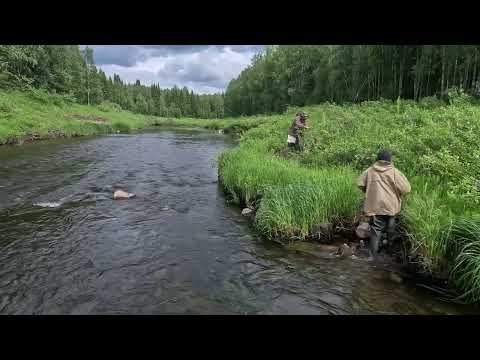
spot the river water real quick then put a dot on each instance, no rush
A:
(66, 247)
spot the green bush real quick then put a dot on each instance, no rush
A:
(457, 96)
(62, 100)
(120, 126)
(108, 106)
(7, 109)
(46, 98)
(41, 96)
(431, 102)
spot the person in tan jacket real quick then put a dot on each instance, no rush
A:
(384, 186)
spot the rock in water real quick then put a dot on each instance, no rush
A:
(345, 251)
(119, 194)
(396, 278)
(247, 212)
(49, 204)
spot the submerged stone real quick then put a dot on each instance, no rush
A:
(396, 278)
(119, 194)
(345, 251)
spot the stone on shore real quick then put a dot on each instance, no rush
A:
(247, 212)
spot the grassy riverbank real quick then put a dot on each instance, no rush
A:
(434, 144)
(37, 115)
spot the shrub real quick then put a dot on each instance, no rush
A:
(464, 250)
(121, 126)
(431, 102)
(40, 95)
(108, 106)
(457, 96)
(6, 108)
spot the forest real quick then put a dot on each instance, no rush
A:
(70, 71)
(304, 75)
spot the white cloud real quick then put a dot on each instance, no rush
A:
(204, 69)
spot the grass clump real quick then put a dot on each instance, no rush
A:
(121, 126)
(108, 106)
(293, 198)
(463, 251)
(292, 209)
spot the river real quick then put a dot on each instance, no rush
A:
(66, 247)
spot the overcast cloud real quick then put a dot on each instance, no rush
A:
(201, 68)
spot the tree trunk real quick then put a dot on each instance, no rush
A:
(415, 77)
(477, 82)
(447, 76)
(474, 75)
(454, 72)
(400, 77)
(394, 68)
(427, 92)
(443, 70)
(466, 73)
(379, 84)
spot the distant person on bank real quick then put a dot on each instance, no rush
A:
(384, 186)
(300, 122)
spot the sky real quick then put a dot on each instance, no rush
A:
(205, 69)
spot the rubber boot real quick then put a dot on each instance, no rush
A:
(374, 244)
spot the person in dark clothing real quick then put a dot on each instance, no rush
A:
(384, 186)
(293, 138)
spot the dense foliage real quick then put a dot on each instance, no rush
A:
(299, 75)
(65, 69)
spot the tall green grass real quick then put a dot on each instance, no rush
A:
(428, 213)
(323, 197)
(462, 238)
(434, 144)
(293, 198)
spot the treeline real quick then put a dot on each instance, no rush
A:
(301, 75)
(65, 69)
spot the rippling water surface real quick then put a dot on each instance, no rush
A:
(66, 247)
